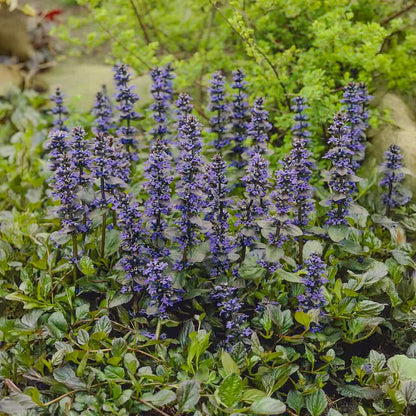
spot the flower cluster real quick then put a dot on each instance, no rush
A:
(109, 167)
(258, 127)
(184, 106)
(299, 161)
(189, 188)
(160, 289)
(80, 155)
(161, 91)
(126, 99)
(255, 204)
(59, 111)
(341, 178)
(229, 305)
(218, 106)
(151, 253)
(218, 202)
(157, 171)
(313, 297)
(133, 236)
(239, 118)
(282, 198)
(103, 112)
(392, 170)
(57, 146)
(356, 98)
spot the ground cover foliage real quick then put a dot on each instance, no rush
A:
(152, 264)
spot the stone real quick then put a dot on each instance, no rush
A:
(14, 34)
(10, 76)
(81, 81)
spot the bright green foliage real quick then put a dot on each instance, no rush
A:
(286, 47)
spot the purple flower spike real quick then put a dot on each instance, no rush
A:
(160, 289)
(81, 157)
(356, 99)
(218, 106)
(299, 161)
(254, 205)
(161, 91)
(158, 172)
(126, 99)
(341, 178)
(313, 297)
(218, 202)
(103, 112)
(59, 111)
(258, 128)
(392, 169)
(229, 305)
(190, 169)
(239, 118)
(282, 198)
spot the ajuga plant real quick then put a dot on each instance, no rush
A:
(239, 117)
(393, 176)
(192, 285)
(126, 99)
(59, 110)
(219, 108)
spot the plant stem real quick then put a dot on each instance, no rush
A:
(158, 329)
(103, 227)
(75, 255)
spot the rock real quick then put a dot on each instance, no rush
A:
(14, 34)
(10, 76)
(81, 81)
(400, 130)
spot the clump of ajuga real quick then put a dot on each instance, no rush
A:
(356, 99)
(219, 108)
(341, 177)
(59, 111)
(393, 176)
(204, 233)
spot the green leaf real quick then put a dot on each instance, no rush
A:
(287, 276)
(337, 233)
(267, 406)
(333, 412)
(404, 366)
(103, 325)
(112, 242)
(16, 404)
(161, 398)
(66, 375)
(312, 246)
(376, 272)
(229, 364)
(250, 269)
(251, 395)
(86, 266)
(57, 324)
(316, 403)
(119, 299)
(368, 308)
(230, 390)
(303, 318)
(188, 394)
(118, 347)
(131, 362)
(295, 400)
(114, 373)
(83, 337)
